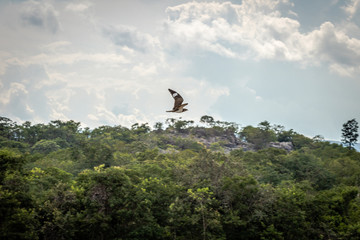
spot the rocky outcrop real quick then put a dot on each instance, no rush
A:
(288, 146)
(226, 140)
(208, 136)
(229, 142)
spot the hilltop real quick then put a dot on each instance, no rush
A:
(177, 180)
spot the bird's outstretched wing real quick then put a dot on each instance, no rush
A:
(178, 99)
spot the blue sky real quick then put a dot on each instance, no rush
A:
(291, 62)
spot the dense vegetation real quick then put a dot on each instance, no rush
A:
(177, 181)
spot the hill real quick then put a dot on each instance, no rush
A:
(356, 147)
(179, 180)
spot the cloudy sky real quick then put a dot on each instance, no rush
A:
(291, 62)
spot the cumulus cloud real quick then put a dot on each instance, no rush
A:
(119, 74)
(15, 90)
(352, 7)
(130, 37)
(3, 57)
(21, 96)
(229, 29)
(54, 46)
(334, 46)
(58, 85)
(78, 7)
(257, 30)
(70, 58)
(41, 15)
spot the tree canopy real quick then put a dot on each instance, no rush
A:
(178, 181)
(350, 133)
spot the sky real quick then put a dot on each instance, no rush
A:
(294, 63)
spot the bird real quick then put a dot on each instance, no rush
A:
(178, 105)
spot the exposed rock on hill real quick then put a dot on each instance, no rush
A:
(288, 146)
(217, 140)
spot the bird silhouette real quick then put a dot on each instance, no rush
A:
(178, 104)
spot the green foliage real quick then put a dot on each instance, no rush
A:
(350, 133)
(9, 162)
(140, 129)
(239, 200)
(121, 204)
(207, 119)
(308, 167)
(216, 146)
(17, 212)
(181, 125)
(6, 127)
(45, 146)
(285, 136)
(158, 126)
(11, 144)
(300, 141)
(183, 182)
(289, 211)
(260, 137)
(17, 218)
(268, 165)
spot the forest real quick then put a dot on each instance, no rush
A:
(178, 179)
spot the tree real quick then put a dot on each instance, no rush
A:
(6, 127)
(170, 122)
(264, 125)
(207, 119)
(158, 126)
(140, 129)
(260, 136)
(45, 146)
(203, 198)
(9, 162)
(350, 133)
(181, 125)
(17, 215)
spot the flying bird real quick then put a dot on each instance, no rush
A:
(178, 105)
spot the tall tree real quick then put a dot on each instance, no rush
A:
(350, 133)
(207, 119)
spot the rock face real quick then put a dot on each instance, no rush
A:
(288, 146)
(227, 140)
(209, 136)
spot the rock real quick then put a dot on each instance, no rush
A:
(168, 151)
(288, 146)
(227, 140)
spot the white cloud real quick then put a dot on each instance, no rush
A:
(130, 37)
(41, 15)
(104, 115)
(257, 30)
(3, 57)
(352, 8)
(119, 74)
(68, 58)
(55, 46)
(344, 70)
(229, 29)
(16, 90)
(78, 7)
(104, 88)
(334, 46)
